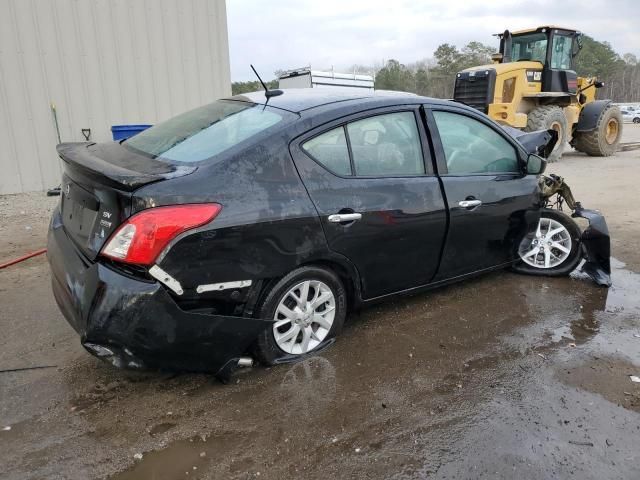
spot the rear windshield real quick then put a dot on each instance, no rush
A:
(206, 131)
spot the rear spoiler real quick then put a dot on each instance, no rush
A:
(540, 142)
(113, 165)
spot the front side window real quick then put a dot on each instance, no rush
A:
(471, 147)
(532, 46)
(205, 131)
(386, 145)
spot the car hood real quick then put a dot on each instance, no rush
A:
(540, 142)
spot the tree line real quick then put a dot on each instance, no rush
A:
(434, 77)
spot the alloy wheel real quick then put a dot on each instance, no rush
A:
(304, 317)
(550, 247)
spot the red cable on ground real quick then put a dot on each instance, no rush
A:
(22, 258)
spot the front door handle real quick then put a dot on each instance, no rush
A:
(470, 203)
(344, 217)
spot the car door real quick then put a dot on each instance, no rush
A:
(371, 179)
(492, 202)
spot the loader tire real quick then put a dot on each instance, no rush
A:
(603, 140)
(550, 117)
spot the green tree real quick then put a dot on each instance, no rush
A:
(597, 59)
(448, 58)
(450, 61)
(395, 76)
(423, 81)
(238, 88)
(476, 53)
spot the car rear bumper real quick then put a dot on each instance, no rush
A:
(135, 323)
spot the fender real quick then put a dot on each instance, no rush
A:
(590, 114)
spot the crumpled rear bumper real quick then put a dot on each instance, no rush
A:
(136, 323)
(596, 245)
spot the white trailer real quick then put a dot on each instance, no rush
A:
(307, 78)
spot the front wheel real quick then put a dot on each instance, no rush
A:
(553, 249)
(308, 307)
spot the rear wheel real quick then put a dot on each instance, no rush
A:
(553, 249)
(636, 120)
(550, 117)
(603, 140)
(308, 307)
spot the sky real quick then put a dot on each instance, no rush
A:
(286, 34)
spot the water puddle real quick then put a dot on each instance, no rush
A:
(410, 384)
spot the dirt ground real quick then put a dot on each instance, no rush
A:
(501, 377)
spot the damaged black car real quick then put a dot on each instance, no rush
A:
(250, 227)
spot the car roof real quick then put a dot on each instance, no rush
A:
(297, 100)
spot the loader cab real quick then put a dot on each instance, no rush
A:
(554, 47)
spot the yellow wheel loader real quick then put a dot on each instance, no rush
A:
(532, 86)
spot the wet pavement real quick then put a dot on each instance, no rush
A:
(505, 376)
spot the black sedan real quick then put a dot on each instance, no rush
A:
(250, 227)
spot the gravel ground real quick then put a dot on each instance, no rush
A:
(23, 223)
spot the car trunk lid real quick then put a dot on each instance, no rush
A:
(97, 186)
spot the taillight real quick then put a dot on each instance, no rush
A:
(144, 235)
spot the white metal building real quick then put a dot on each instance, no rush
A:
(101, 63)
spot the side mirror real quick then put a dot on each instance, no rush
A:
(535, 164)
(575, 48)
(577, 45)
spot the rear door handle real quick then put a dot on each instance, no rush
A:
(470, 203)
(344, 217)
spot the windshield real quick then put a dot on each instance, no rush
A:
(532, 46)
(206, 131)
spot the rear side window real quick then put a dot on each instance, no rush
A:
(382, 145)
(206, 131)
(330, 149)
(471, 147)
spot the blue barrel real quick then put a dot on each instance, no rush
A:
(120, 132)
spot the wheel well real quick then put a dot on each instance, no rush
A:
(349, 281)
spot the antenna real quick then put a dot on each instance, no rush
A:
(267, 93)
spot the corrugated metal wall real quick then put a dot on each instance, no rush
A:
(102, 63)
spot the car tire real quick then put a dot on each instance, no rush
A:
(636, 120)
(570, 260)
(321, 283)
(550, 117)
(600, 142)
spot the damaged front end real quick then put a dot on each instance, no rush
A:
(540, 142)
(595, 241)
